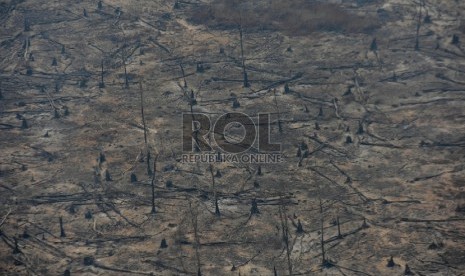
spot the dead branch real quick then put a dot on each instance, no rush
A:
(5, 217)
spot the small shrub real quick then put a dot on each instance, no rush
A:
(391, 262)
(107, 176)
(374, 45)
(300, 228)
(256, 184)
(88, 260)
(200, 68)
(163, 244)
(133, 178)
(360, 128)
(24, 124)
(254, 208)
(88, 214)
(427, 19)
(27, 25)
(460, 208)
(83, 83)
(455, 40)
(407, 270)
(236, 104)
(101, 158)
(286, 88)
(365, 224)
(26, 234)
(72, 209)
(435, 246)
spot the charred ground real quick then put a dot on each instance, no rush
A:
(367, 99)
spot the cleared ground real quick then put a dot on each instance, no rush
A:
(68, 144)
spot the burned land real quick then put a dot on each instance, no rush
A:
(366, 98)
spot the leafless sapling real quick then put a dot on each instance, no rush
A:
(27, 25)
(62, 229)
(196, 236)
(16, 249)
(374, 45)
(153, 183)
(244, 72)
(300, 228)
(107, 175)
(217, 209)
(102, 83)
(285, 234)
(141, 91)
(417, 42)
(254, 209)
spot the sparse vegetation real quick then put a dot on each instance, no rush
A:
(295, 17)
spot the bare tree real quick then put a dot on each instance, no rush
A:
(194, 217)
(286, 238)
(217, 209)
(241, 39)
(102, 83)
(153, 183)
